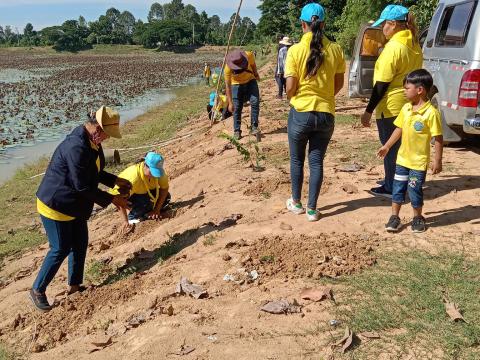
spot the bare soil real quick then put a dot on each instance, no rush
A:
(231, 220)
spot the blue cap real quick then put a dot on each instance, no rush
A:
(154, 162)
(212, 98)
(392, 12)
(311, 10)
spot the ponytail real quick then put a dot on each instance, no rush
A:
(411, 25)
(316, 57)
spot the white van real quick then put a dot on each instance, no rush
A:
(451, 53)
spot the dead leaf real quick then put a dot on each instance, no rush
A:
(185, 350)
(350, 189)
(284, 226)
(453, 311)
(346, 341)
(318, 294)
(185, 286)
(102, 341)
(282, 307)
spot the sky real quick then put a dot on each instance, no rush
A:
(43, 13)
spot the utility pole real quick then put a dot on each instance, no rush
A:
(193, 34)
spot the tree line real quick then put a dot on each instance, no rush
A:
(343, 17)
(171, 24)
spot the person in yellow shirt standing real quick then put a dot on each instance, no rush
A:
(314, 71)
(149, 193)
(416, 124)
(401, 55)
(207, 72)
(241, 78)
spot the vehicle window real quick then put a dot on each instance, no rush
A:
(422, 37)
(455, 24)
(372, 43)
(433, 23)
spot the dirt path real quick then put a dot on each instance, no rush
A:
(229, 219)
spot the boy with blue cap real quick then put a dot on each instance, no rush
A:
(149, 193)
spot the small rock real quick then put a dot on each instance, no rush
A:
(350, 189)
(169, 310)
(226, 257)
(284, 226)
(38, 348)
(246, 260)
(104, 246)
(152, 304)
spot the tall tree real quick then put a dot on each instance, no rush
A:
(156, 12)
(173, 9)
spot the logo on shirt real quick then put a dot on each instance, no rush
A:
(418, 126)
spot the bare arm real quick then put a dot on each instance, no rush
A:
(255, 72)
(339, 81)
(228, 92)
(437, 163)
(397, 134)
(292, 86)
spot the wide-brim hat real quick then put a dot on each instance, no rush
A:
(237, 60)
(285, 41)
(109, 120)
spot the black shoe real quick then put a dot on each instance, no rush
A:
(381, 182)
(380, 191)
(40, 301)
(237, 135)
(418, 224)
(393, 224)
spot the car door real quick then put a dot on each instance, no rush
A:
(368, 47)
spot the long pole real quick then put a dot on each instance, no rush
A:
(224, 61)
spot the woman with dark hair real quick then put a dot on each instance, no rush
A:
(402, 54)
(314, 70)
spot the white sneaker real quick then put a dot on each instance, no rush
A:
(133, 221)
(297, 208)
(313, 215)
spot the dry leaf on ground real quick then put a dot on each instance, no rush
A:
(369, 335)
(346, 341)
(453, 311)
(317, 294)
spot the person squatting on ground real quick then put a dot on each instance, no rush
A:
(149, 193)
(241, 78)
(207, 72)
(66, 196)
(416, 124)
(401, 55)
(221, 106)
(314, 70)
(283, 47)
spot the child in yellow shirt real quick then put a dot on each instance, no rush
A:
(418, 122)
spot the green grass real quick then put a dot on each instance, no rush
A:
(97, 271)
(362, 151)
(346, 120)
(277, 154)
(405, 291)
(209, 240)
(5, 354)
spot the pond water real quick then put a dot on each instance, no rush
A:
(13, 157)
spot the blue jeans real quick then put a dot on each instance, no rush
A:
(385, 130)
(240, 95)
(316, 129)
(408, 180)
(66, 238)
(141, 205)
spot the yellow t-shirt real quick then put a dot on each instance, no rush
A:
(418, 127)
(52, 214)
(140, 183)
(399, 57)
(245, 76)
(207, 72)
(315, 93)
(222, 102)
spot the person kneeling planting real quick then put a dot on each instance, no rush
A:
(149, 193)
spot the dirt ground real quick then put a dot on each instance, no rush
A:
(231, 220)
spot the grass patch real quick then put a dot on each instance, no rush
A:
(97, 271)
(346, 120)
(362, 151)
(405, 292)
(268, 259)
(209, 240)
(277, 154)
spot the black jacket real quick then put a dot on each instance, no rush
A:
(70, 184)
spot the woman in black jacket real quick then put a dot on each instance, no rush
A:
(66, 196)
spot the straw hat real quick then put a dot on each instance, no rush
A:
(286, 41)
(109, 120)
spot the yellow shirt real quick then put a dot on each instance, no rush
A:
(418, 127)
(222, 102)
(140, 183)
(245, 76)
(52, 214)
(315, 93)
(399, 57)
(207, 72)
